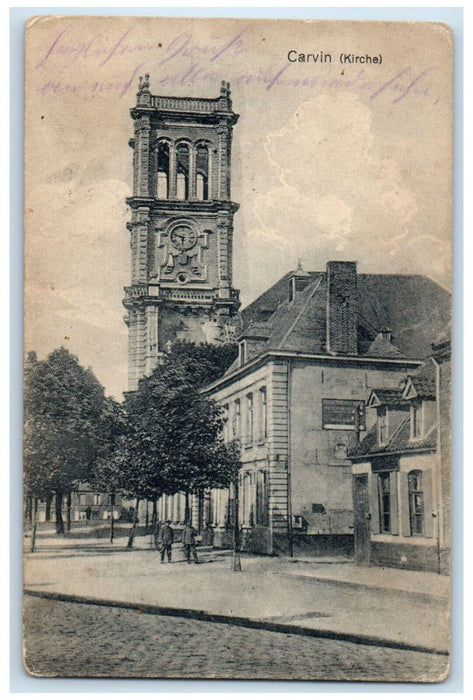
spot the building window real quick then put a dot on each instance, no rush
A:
(261, 498)
(382, 425)
(163, 171)
(263, 419)
(241, 352)
(97, 499)
(236, 418)
(343, 414)
(384, 502)
(249, 420)
(416, 502)
(182, 153)
(247, 503)
(226, 426)
(416, 419)
(202, 168)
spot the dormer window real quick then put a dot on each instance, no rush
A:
(241, 352)
(382, 425)
(416, 420)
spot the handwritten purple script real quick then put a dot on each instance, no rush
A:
(100, 46)
(102, 49)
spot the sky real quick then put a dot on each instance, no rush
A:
(331, 160)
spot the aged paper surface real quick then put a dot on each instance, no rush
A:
(307, 164)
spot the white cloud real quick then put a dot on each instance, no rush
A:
(335, 197)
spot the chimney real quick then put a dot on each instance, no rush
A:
(342, 336)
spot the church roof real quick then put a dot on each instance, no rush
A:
(415, 309)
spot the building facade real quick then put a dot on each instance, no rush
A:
(312, 350)
(401, 472)
(85, 505)
(181, 229)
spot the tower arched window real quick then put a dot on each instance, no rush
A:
(202, 170)
(182, 153)
(162, 186)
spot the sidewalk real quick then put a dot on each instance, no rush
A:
(331, 598)
(424, 584)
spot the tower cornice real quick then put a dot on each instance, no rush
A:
(178, 205)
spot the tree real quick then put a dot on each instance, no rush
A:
(108, 471)
(179, 430)
(63, 405)
(204, 362)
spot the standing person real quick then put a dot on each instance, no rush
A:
(188, 540)
(167, 538)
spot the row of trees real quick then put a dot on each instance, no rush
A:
(165, 438)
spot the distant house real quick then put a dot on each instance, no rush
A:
(401, 472)
(312, 349)
(85, 505)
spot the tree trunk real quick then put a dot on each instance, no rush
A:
(112, 517)
(29, 510)
(35, 522)
(133, 527)
(154, 523)
(59, 520)
(147, 516)
(68, 511)
(236, 562)
(187, 510)
(48, 508)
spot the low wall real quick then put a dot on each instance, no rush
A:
(316, 545)
(408, 556)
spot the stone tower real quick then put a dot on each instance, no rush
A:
(181, 225)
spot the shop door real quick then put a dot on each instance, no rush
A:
(362, 518)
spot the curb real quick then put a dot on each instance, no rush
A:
(420, 595)
(250, 623)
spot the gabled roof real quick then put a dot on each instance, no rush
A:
(421, 384)
(415, 308)
(386, 397)
(400, 443)
(382, 347)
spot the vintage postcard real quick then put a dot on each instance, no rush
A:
(237, 349)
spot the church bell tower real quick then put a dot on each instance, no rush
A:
(181, 225)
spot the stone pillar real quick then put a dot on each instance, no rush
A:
(172, 185)
(139, 245)
(210, 179)
(195, 511)
(175, 507)
(222, 189)
(142, 156)
(223, 233)
(152, 339)
(192, 173)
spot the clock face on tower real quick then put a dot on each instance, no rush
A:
(183, 237)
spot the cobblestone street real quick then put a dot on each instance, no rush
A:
(70, 639)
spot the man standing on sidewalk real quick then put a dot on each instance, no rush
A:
(188, 540)
(167, 538)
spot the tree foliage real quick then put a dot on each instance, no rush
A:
(63, 405)
(203, 363)
(178, 431)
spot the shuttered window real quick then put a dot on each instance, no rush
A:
(384, 490)
(416, 502)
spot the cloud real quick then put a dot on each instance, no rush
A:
(325, 192)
